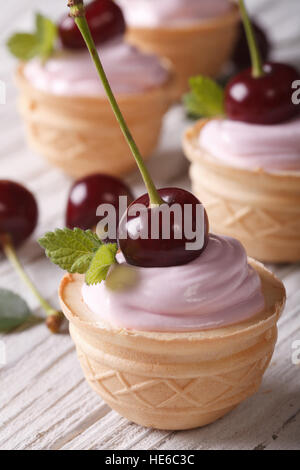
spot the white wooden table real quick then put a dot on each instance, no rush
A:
(45, 402)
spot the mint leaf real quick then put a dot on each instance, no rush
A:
(23, 46)
(102, 261)
(79, 251)
(13, 310)
(72, 250)
(206, 98)
(82, 264)
(46, 33)
(26, 46)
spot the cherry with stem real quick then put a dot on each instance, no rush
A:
(163, 254)
(263, 93)
(18, 219)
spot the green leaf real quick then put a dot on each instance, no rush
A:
(46, 33)
(102, 261)
(82, 264)
(13, 310)
(72, 250)
(23, 46)
(26, 46)
(206, 98)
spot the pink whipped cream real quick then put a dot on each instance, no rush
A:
(73, 73)
(272, 148)
(152, 13)
(217, 289)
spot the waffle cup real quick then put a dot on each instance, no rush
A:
(202, 48)
(174, 380)
(260, 209)
(81, 136)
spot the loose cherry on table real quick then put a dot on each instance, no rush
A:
(105, 19)
(88, 193)
(261, 94)
(160, 252)
(18, 219)
(241, 55)
(18, 212)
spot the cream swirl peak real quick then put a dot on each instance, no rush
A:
(151, 13)
(251, 146)
(217, 289)
(73, 73)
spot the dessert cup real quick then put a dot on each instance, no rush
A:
(81, 136)
(174, 380)
(201, 48)
(259, 208)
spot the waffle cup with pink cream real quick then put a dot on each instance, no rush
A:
(172, 332)
(246, 159)
(66, 113)
(197, 36)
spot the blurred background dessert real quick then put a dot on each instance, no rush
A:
(196, 35)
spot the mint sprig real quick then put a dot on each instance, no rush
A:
(79, 251)
(101, 262)
(26, 46)
(206, 98)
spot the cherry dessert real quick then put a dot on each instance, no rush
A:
(105, 19)
(18, 211)
(88, 193)
(261, 94)
(160, 252)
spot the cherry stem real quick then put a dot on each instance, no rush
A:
(257, 63)
(77, 12)
(11, 255)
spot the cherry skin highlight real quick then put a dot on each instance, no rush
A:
(263, 100)
(88, 193)
(105, 19)
(18, 212)
(160, 252)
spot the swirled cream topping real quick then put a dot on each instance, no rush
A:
(251, 146)
(152, 13)
(73, 73)
(217, 289)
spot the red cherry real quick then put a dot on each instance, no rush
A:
(18, 211)
(105, 19)
(18, 219)
(241, 55)
(88, 193)
(160, 252)
(262, 100)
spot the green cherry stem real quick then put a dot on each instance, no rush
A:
(77, 11)
(257, 63)
(54, 316)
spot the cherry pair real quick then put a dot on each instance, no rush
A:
(88, 193)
